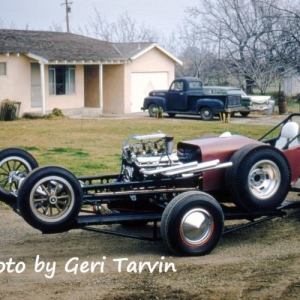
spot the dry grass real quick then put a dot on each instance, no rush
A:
(94, 146)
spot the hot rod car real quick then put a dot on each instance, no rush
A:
(191, 189)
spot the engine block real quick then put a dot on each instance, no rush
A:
(147, 152)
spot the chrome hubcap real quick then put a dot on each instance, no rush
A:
(196, 226)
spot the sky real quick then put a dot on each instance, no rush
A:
(163, 15)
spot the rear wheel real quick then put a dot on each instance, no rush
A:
(206, 114)
(244, 113)
(13, 162)
(50, 199)
(259, 179)
(192, 224)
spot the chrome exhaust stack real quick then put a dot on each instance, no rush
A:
(187, 168)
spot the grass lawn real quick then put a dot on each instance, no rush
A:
(88, 147)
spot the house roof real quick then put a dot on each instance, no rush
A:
(51, 46)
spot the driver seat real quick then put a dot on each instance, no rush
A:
(288, 132)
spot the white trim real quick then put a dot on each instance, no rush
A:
(101, 88)
(38, 58)
(42, 69)
(161, 49)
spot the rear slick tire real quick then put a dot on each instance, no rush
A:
(259, 179)
(192, 224)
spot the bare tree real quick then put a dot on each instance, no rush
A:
(125, 29)
(239, 28)
(200, 57)
(286, 37)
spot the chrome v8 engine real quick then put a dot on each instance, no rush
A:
(149, 152)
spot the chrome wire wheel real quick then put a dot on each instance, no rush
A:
(264, 179)
(196, 227)
(8, 168)
(51, 199)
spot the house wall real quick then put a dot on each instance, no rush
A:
(117, 85)
(113, 89)
(71, 101)
(16, 85)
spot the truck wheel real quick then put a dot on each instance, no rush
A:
(171, 115)
(259, 179)
(13, 161)
(244, 114)
(152, 110)
(192, 224)
(50, 199)
(206, 114)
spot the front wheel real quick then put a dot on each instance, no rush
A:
(50, 199)
(152, 110)
(192, 224)
(206, 114)
(14, 162)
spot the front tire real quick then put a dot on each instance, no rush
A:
(50, 199)
(259, 179)
(192, 224)
(152, 110)
(13, 161)
(206, 114)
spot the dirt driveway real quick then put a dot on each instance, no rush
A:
(259, 262)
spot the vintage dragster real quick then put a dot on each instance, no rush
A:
(191, 190)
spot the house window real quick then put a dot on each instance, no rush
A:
(61, 80)
(2, 69)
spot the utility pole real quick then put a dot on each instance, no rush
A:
(68, 10)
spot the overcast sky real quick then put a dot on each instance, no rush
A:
(163, 15)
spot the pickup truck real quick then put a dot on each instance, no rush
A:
(186, 96)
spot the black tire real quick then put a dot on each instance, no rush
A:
(259, 179)
(184, 238)
(206, 114)
(244, 114)
(50, 199)
(152, 110)
(171, 115)
(13, 161)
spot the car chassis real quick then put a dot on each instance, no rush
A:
(154, 185)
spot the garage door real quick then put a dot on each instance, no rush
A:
(143, 83)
